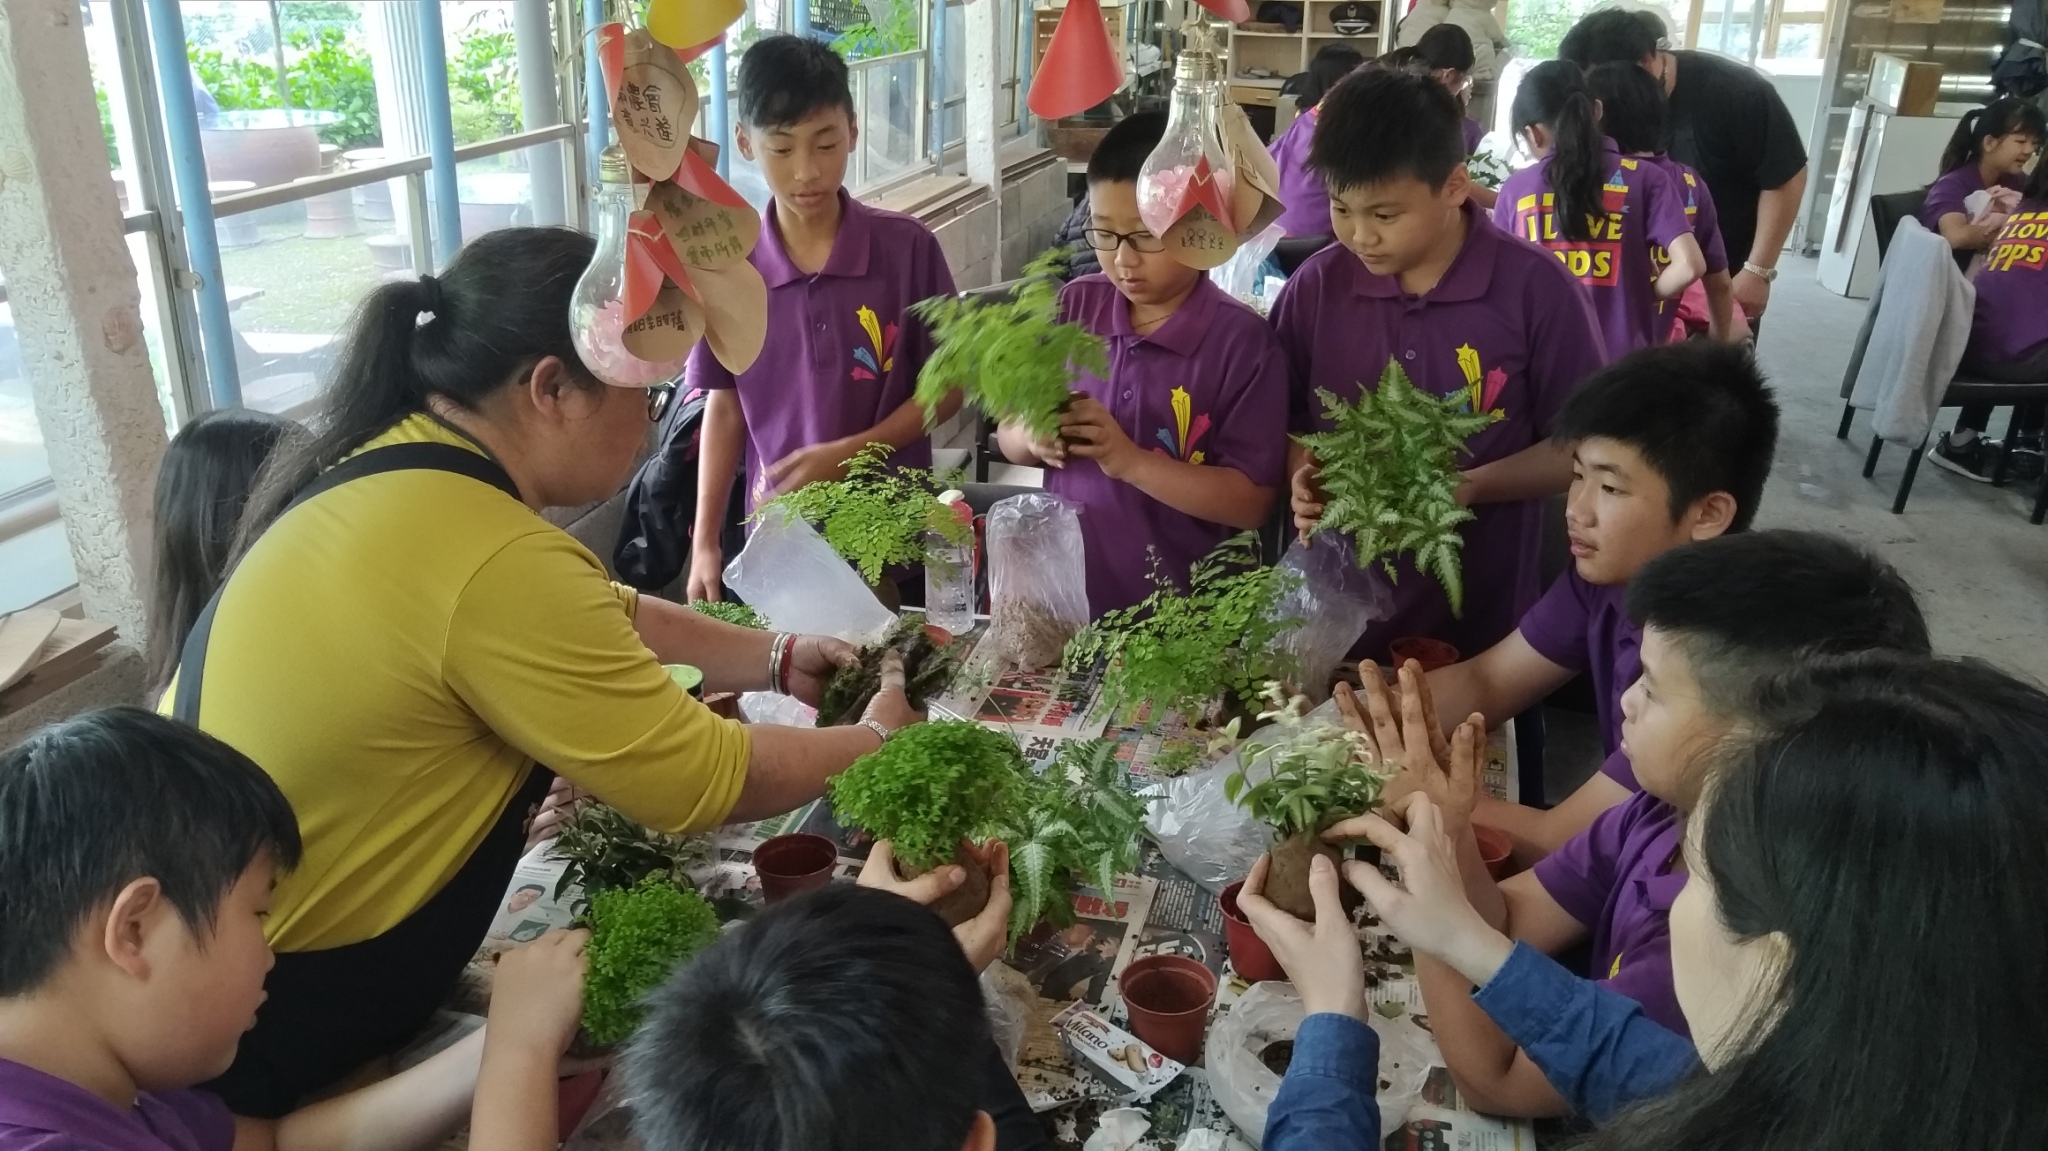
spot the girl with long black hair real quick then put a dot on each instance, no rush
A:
(1991, 148)
(2008, 339)
(1600, 212)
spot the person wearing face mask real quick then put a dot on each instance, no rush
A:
(1855, 945)
(402, 639)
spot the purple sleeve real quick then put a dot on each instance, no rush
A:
(1253, 408)
(1706, 223)
(1644, 975)
(1504, 204)
(1291, 318)
(206, 1115)
(1946, 195)
(1618, 768)
(1582, 874)
(1473, 134)
(1663, 206)
(1565, 345)
(1556, 625)
(704, 372)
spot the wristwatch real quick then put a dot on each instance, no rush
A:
(1759, 271)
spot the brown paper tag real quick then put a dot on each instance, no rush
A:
(1200, 240)
(655, 106)
(705, 233)
(1256, 199)
(735, 314)
(669, 329)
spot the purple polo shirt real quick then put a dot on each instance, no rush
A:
(1305, 201)
(1618, 878)
(1504, 317)
(1473, 134)
(1643, 211)
(1948, 192)
(1585, 627)
(1700, 213)
(2012, 290)
(843, 351)
(1208, 387)
(40, 1112)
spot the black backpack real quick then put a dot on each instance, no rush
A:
(653, 549)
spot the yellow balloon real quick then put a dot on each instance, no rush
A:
(688, 23)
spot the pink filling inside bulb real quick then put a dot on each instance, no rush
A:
(604, 352)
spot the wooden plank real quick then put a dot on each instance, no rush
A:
(22, 636)
(75, 648)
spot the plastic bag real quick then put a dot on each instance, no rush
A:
(1335, 600)
(1240, 275)
(793, 578)
(1012, 1005)
(1272, 1013)
(1214, 841)
(1037, 580)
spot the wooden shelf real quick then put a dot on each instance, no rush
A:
(1288, 53)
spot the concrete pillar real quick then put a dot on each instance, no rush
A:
(540, 108)
(984, 88)
(76, 307)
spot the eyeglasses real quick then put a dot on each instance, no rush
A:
(658, 399)
(1104, 240)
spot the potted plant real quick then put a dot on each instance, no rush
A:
(1010, 355)
(1077, 820)
(638, 935)
(929, 668)
(1180, 650)
(877, 517)
(1389, 470)
(732, 613)
(608, 851)
(929, 790)
(1315, 775)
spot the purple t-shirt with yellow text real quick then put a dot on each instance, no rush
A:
(1641, 212)
(843, 350)
(1505, 327)
(2012, 290)
(1207, 387)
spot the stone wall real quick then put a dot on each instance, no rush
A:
(1035, 204)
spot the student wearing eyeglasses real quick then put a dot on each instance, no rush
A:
(1185, 443)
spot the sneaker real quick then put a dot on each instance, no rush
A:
(2024, 462)
(1972, 461)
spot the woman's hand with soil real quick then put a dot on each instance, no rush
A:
(983, 937)
(1427, 908)
(1322, 959)
(812, 663)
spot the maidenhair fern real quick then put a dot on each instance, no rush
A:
(877, 517)
(1012, 358)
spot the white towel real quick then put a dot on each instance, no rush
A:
(1924, 309)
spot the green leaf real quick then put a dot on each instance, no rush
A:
(1012, 358)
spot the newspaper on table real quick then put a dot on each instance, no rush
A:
(1083, 961)
(530, 908)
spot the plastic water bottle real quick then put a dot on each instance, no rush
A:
(949, 572)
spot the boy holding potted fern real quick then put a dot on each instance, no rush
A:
(1420, 279)
(1181, 443)
(1670, 445)
(843, 350)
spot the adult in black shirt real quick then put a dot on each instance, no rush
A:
(1727, 122)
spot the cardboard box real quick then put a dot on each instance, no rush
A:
(1133, 1071)
(1904, 87)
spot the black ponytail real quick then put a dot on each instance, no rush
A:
(1331, 63)
(2001, 117)
(1554, 94)
(500, 307)
(1633, 108)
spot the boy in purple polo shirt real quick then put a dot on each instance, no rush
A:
(138, 858)
(1670, 445)
(1422, 279)
(1307, 205)
(1717, 617)
(1185, 444)
(843, 351)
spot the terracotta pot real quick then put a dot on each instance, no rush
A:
(793, 864)
(1430, 653)
(1249, 956)
(1168, 998)
(1496, 850)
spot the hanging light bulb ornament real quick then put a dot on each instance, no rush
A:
(673, 238)
(1208, 182)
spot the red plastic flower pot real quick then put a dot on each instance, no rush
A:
(1249, 956)
(1430, 653)
(1496, 850)
(793, 864)
(1167, 998)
